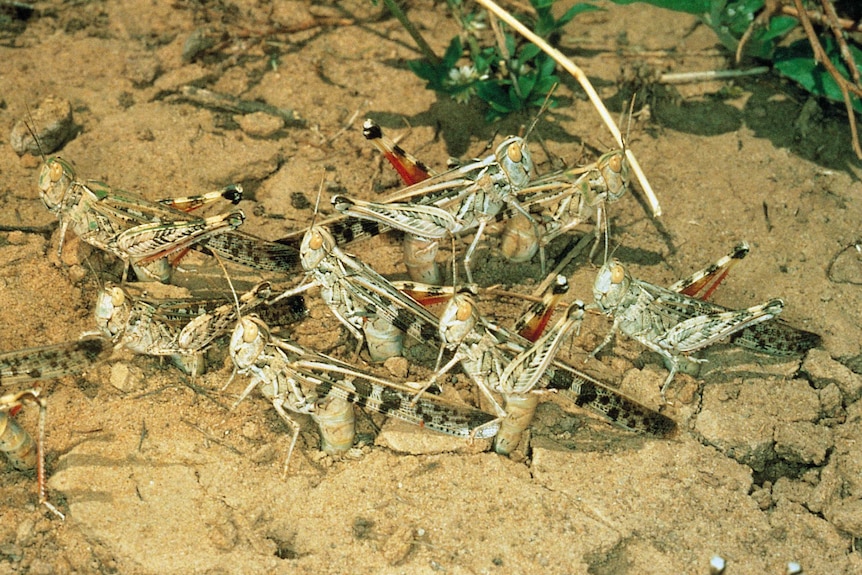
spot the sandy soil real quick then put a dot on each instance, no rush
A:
(158, 476)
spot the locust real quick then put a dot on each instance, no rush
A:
(24, 367)
(503, 362)
(302, 381)
(564, 200)
(558, 202)
(665, 321)
(140, 231)
(179, 328)
(355, 293)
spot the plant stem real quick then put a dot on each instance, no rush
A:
(414, 33)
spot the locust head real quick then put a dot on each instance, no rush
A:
(611, 285)
(316, 245)
(614, 169)
(248, 342)
(112, 311)
(55, 179)
(515, 161)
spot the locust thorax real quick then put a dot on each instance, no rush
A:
(458, 319)
(112, 311)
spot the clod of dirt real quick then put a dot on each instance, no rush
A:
(260, 124)
(406, 438)
(823, 370)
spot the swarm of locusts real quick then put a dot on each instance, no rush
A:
(510, 367)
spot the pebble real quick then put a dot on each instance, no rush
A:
(125, 378)
(802, 442)
(52, 123)
(398, 366)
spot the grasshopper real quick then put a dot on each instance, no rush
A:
(121, 222)
(503, 362)
(26, 366)
(302, 381)
(573, 197)
(356, 293)
(471, 203)
(776, 337)
(665, 321)
(180, 328)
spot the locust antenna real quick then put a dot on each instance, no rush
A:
(544, 108)
(317, 201)
(31, 127)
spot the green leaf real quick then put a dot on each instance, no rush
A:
(525, 85)
(689, 6)
(797, 63)
(528, 52)
(574, 11)
(453, 52)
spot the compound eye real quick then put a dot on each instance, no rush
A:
(118, 297)
(250, 331)
(56, 171)
(618, 273)
(465, 310)
(514, 152)
(316, 241)
(616, 163)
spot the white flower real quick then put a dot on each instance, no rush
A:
(463, 76)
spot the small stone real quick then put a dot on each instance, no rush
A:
(831, 401)
(125, 378)
(795, 491)
(260, 124)
(265, 454)
(250, 430)
(51, 122)
(763, 498)
(398, 366)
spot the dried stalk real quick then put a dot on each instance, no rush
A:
(845, 85)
